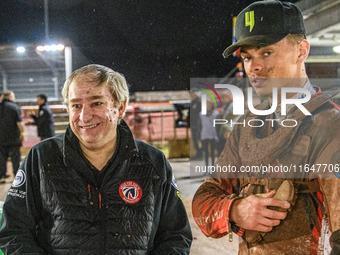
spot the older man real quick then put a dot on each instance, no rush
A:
(271, 38)
(95, 190)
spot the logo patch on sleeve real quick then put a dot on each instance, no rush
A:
(130, 192)
(179, 195)
(19, 179)
(173, 182)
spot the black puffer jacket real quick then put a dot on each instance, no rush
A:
(55, 205)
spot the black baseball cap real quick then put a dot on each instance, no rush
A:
(265, 23)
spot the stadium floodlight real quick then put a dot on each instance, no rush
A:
(21, 49)
(51, 47)
(336, 49)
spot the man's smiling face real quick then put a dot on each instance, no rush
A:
(92, 113)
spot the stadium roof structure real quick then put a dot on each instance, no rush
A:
(30, 59)
(322, 21)
(31, 69)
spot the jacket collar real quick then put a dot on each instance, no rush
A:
(125, 147)
(42, 105)
(7, 100)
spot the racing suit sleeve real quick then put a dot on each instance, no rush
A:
(21, 212)
(331, 194)
(330, 188)
(173, 235)
(211, 206)
(213, 199)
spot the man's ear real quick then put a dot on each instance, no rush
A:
(122, 109)
(303, 50)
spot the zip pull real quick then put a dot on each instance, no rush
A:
(89, 190)
(100, 200)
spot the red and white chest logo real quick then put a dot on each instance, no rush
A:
(130, 192)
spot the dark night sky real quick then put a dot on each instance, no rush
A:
(157, 45)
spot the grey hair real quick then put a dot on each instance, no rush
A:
(100, 75)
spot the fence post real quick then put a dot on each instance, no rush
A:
(162, 128)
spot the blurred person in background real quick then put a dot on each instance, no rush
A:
(208, 135)
(281, 212)
(194, 122)
(95, 189)
(223, 130)
(138, 125)
(44, 119)
(11, 134)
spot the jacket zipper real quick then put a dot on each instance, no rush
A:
(102, 225)
(102, 214)
(99, 196)
(100, 200)
(89, 190)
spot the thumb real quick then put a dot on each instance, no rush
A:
(267, 195)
